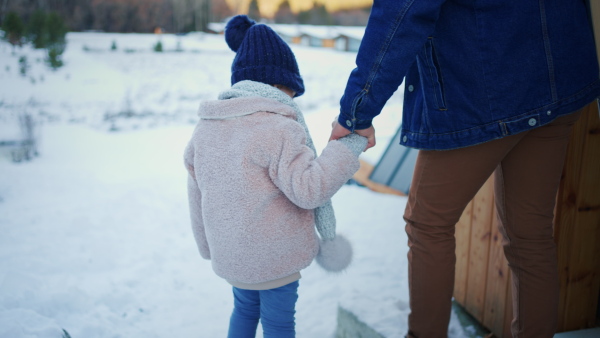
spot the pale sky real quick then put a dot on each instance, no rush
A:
(269, 7)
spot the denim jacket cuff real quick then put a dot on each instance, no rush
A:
(353, 124)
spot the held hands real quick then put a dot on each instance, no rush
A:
(338, 132)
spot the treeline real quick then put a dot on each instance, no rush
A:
(175, 16)
(122, 15)
(317, 15)
(44, 30)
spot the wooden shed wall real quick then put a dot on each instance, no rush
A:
(482, 280)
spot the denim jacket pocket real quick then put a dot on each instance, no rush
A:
(433, 80)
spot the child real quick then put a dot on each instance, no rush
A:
(256, 188)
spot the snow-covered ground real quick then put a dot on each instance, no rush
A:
(94, 233)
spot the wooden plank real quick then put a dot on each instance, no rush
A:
(508, 310)
(595, 9)
(483, 204)
(497, 286)
(463, 242)
(583, 302)
(577, 225)
(362, 177)
(565, 216)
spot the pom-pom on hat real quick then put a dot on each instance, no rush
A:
(262, 55)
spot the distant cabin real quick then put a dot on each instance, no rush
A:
(347, 43)
(343, 38)
(349, 38)
(316, 41)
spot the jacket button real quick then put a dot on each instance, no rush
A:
(404, 139)
(532, 122)
(411, 88)
(549, 112)
(348, 123)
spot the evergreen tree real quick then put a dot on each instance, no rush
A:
(48, 30)
(284, 13)
(56, 30)
(321, 16)
(317, 15)
(158, 47)
(13, 28)
(23, 65)
(36, 29)
(304, 17)
(54, 58)
(253, 10)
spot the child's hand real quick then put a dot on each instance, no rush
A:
(338, 131)
(355, 142)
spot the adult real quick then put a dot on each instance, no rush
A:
(491, 86)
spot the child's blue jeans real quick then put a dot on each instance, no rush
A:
(275, 308)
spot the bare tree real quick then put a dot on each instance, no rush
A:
(178, 13)
(129, 15)
(220, 10)
(189, 15)
(203, 15)
(3, 8)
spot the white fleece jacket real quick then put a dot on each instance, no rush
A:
(252, 186)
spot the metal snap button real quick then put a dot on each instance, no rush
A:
(348, 123)
(411, 88)
(404, 139)
(532, 122)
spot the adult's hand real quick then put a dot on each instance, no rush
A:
(338, 132)
(369, 133)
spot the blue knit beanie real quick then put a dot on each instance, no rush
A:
(262, 55)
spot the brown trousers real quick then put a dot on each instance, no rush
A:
(527, 168)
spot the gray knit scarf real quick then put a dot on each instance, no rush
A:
(324, 215)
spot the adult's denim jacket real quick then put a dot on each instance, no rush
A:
(476, 70)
